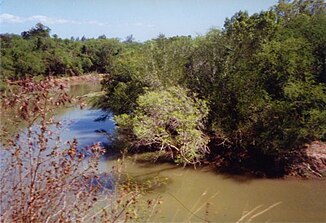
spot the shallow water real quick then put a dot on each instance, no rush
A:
(194, 195)
(203, 195)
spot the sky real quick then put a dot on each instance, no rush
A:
(144, 19)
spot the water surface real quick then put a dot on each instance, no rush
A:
(194, 195)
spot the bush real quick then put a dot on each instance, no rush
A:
(168, 120)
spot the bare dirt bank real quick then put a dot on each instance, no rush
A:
(312, 163)
(75, 80)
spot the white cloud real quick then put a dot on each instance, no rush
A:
(12, 19)
(94, 22)
(140, 24)
(8, 18)
(48, 20)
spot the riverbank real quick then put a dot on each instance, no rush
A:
(307, 163)
(68, 81)
(82, 79)
(312, 163)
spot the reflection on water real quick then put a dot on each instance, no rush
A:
(83, 89)
(84, 126)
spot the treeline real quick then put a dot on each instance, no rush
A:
(36, 52)
(257, 86)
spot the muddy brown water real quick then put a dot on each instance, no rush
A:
(203, 195)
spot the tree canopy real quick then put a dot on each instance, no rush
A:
(262, 76)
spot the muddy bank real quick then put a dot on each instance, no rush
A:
(306, 162)
(67, 81)
(312, 163)
(76, 80)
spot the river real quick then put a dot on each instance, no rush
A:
(196, 195)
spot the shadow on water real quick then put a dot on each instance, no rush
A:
(156, 172)
(244, 179)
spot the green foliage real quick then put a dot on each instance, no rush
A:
(263, 77)
(35, 52)
(125, 82)
(156, 64)
(165, 61)
(168, 120)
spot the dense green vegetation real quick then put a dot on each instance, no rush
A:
(262, 77)
(35, 52)
(257, 86)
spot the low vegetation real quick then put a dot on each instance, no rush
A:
(170, 121)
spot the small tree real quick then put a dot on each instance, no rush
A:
(39, 30)
(168, 120)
